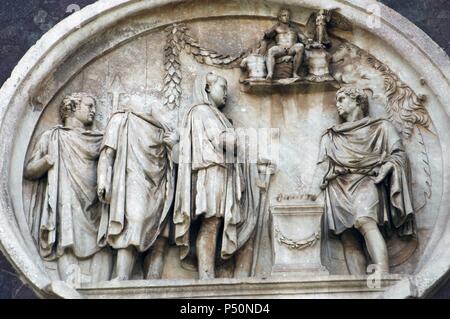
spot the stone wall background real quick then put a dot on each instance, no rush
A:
(23, 22)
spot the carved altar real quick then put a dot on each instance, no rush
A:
(295, 233)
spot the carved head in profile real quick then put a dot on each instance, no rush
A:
(352, 103)
(78, 107)
(284, 16)
(217, 89)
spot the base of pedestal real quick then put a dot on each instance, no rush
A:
(263, 86)
(304, 286)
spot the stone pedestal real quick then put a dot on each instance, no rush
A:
(317, 60)
(295, 238)
(320, 287)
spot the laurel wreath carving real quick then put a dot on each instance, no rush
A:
(172, 67)
(297, 244)
(426, 165)
(178, 39)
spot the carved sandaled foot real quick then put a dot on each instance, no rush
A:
(206, 276)
(153, 275)
(119, 278)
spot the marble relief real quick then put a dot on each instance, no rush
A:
(231, 148)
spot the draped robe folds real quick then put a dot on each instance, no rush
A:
(352, 151)
(211, 183)
(142, 181)
(65, 211)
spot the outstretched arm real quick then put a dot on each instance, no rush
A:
(319, 181)
(322, 172)
(303, 38)
(268, 37)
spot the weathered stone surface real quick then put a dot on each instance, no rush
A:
(130, 88)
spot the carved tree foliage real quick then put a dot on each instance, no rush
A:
(403, 105)
(404, 108)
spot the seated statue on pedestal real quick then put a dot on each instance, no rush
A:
(287, 56)
(290, 43)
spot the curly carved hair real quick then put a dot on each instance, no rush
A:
(356, 94)
(70, 103)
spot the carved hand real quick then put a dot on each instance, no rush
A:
(384, 171)
(171, 138)
(228, 139)
(49, 161)
(324, 185)
(266, 166)
(104, 187)
(104, 192)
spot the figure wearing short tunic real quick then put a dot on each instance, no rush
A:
(353, 151)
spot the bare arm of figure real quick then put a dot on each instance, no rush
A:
(319, 181)
(104, 174)
(37, 168)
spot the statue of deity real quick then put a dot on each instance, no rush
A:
(289, 41)
(317, 28)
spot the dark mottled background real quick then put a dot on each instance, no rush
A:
(23, 22)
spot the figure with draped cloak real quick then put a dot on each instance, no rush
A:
(136, 180)
(216, 204)
(367, 184)
(65, 212)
